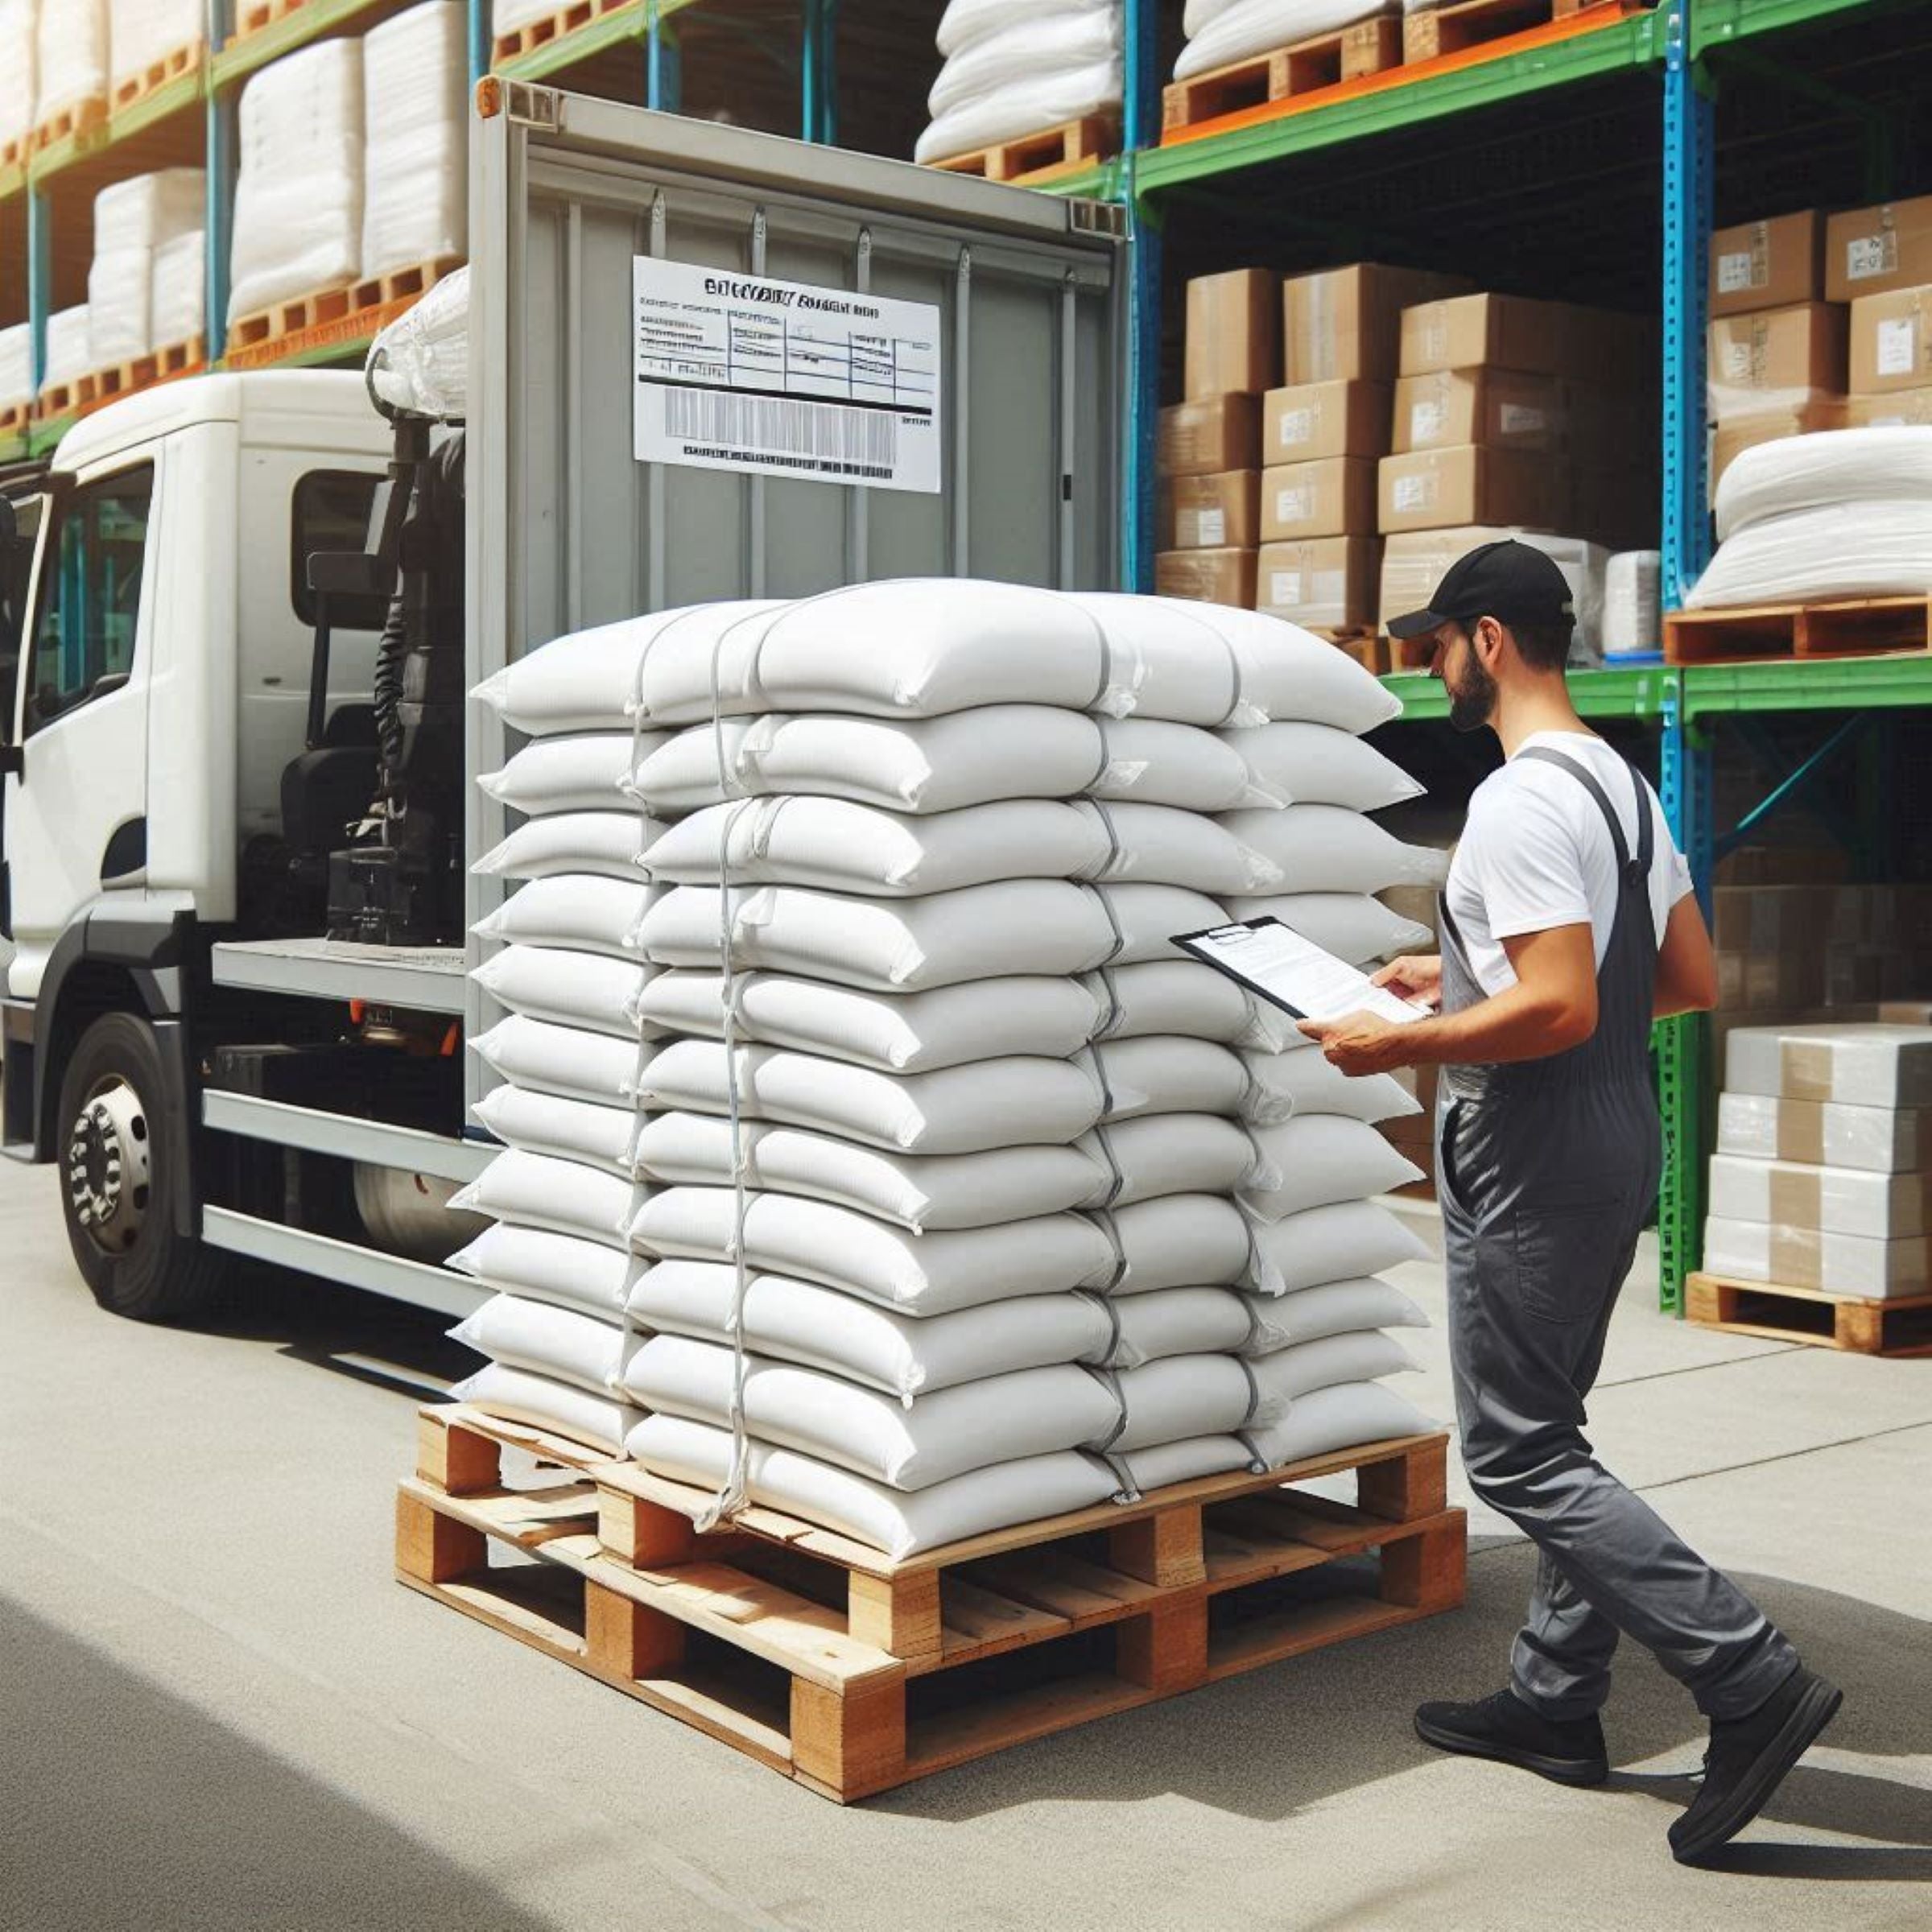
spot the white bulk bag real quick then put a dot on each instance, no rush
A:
(17, 108)
(572, 1130)
(904, 1356)
(178, 295)
(1184, 1240)
(1861, 549)
(587, 1350)
(1053, 39)
(1351, 925)
(142, 34)
(896, 1524)
(585, 771)
(946, 764)
(1286, 1376)
(1887, 463)
(980, 932)
(1328, 848)
(576, 911)
(566, 1061)
(578, 990)
(1183, 1395)
(565, 1269)
(1333, 1244)
(71, 49)
(1045, 99)
(609, 845)
(1179, 1321)
(565, 1197)
(69, 346)
(1318, 765)
(1342, 1416)
(904, 1445)
(1315, 1159)
(1187, 1461)
(1334, 1308)
(518, 1395)
(16, 347)
(416, 83)
(1305, 1083)
(1220, 34)
(144, 210)
(965, 21)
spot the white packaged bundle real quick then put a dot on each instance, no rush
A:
(18, 102)
(1285, 1376)
(69, 348)
(1220, 32)
(588, 771)
(1184, 1321)
(580, 989)
(1180, 1397)
(559, 1196)
(178, 298)
(1346, 1307)
(521, 1395)
(1315, 1160)
(16, 364)
(415, 84)
(1305, 1083)
(297, 219)
(1337, 1418)
(586, 1350)
(142, 34)
(144, 212)
(576, 912)
(611, 845)
(576, 1063)
(1333, 1244)
(1023, 74)
(70, 51)
(1328, 848)
(600, 1137)
(537, 1264)
(119, 292)
(1318, 765)
(1351, 925)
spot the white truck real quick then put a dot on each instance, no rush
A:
(240, 614)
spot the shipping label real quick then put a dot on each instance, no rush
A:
(1212, 525)
(1734, 273)
(1522, 419)
(744, 372)
(1298, 427)
(1284, 589)
(1416, 492)
(1427, 422)
(1898, 346)
(1295, 505)
(1869, 255)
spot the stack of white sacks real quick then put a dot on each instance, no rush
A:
(1015, 68)
(19, 61)
(147, 231)
(142, 34)
(1011, 1206)
(1220, 32)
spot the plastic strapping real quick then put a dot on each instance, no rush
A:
(1103, 1219)
(1254, 1327)
(1097, 1068)
(1113, 837)
(1257, 1463)
(1111, 1382)
(1254, 1394)
(1116, 1180)
(1113, 924)
(1106, 643)
(1113, 1323)
(1112, 1015)
(1106, 763)
(1128, 1491)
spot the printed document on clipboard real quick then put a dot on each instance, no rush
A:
(1294, 973)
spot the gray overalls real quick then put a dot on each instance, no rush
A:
(1549, 1169)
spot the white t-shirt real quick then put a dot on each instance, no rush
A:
(1536, 854)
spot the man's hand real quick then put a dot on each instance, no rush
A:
(1358, 1043)
(1415, 976)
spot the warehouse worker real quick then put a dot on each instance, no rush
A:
(1568, 924)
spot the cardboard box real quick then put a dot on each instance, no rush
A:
(1435, 489)
(1876, 1140)
(1731, 439)
(1499, 408)
(1904, 405)
(1209, 435)
(1344, 324)
(1220, 512)
(1206, 576)
(1802, 1257)
(1869, 251)
(1834, 1200)
(1335, 498)
(1775, 358)
(1598, 346)
(1892, 342)
(1768, 264)
(1234, 333)
(1856, 1065)
(1318, 419)
(1324, 584)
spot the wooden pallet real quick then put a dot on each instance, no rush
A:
(1035, 158)
(14, 417)
(1857, 627)
(15, 150)
(1366, 47)
(1468, 23)
(252, 16)
(350, 313)
(67, 398)
(168, 364)
(78, 117)
(131, 89)
(552, 27)
(851, 1674)
(1902, 1326)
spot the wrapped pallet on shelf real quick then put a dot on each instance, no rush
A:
(415, 163)
(151, 43)
(134, 221)
(71, 57)
(16, 376)
(20, 50)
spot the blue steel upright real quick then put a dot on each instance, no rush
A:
(1689, 137)
(1141, 129)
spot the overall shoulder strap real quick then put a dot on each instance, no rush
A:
(1631, 873)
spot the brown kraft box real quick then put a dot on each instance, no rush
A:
(1234, 332)
(1219, 512)
(1732, 438)
(1501, 409)
(1515, 332)
(1892, 342)
(1324, 584)
(1206, 576)
(1344, 324)
(1775, 358)
(1768, 264)
(1318, 419)
(1430, 489)
(1870, 251)
(1904, 405)
(1209, 435)
(1335, 498)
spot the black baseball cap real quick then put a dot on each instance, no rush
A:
(1507, 581)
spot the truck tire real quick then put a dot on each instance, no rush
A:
(115, 1147)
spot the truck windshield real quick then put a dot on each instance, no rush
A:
(16, 571)
(90, 595)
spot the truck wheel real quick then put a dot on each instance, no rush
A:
(116, 1147)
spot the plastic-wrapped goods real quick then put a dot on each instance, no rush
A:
(1881, 466)
(298, 222)
(419, 363)
(142, 34)
(1633, 603)
(1220, 32)
(178, 300)
(16, 364)
(967, 23)
(1015, 72)
(17, 99)
(70, 46)
(69, 346)
(506, 16)
(415, 91)
(134, 219)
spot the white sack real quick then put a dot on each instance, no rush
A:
(1342, 1417)
(518, 1395)
(1351, 925)
(1024, 106)
(572, 1130)
(564, 1197)
(420, 362)
(965, 21)
(1328, 848)
(1048, 38)
(586, 771)
(1183, 1321)
(585, 1350)
(146, 212)
(298, 220)
(946, 764)
(608, 844)
(534, 1264)
(1310, 1315)
(903, 1356)
(980, 932)
(1862, 549)
(568, 1061)
(1318, 765)
(577, 911)
(178, 296)
(1287, 1375)
(1305, 1083)
(1334, 1244)
(579, 989)
(1234, 32)
(70, 39)
(899, 1526)
(142, 33)
(415, 80)
(1184, 1396)
(1890, 464)
(1182, 1462)
(1317, 1159)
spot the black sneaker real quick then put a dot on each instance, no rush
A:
(1748, 1757)
(1502, 1727)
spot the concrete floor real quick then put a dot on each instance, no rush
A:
(218, 1712)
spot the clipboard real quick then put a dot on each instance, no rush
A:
(1272, 961)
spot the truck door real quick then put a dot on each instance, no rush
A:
(20, 519)
(76, 809)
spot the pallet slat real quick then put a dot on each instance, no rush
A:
(535, 34)
(1898, 1326)
(131, 89)
(1286, 73)
(331, 317)
(1029, 159)
(1851, 627)
(1470, 23)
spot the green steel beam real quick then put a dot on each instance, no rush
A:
(1628, 44)
(41, 437)
(185, 91)
(627, 26)
(1620, 691)
(1719, 23)
(1682, 1051)
(1902, 680)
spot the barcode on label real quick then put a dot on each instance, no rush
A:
(824, 439)
(1294, 505)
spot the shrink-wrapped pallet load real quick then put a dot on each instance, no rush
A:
(1015, 69)
(18, 99)
(68, 347)
(16, 364)
(134, 221)
(178, 302)
(298, 225)
(142, 34)
(872, 1152)
(70, 58)
(416, 160)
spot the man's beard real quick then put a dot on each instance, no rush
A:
(1471, 708)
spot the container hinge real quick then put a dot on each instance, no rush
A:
(539, 107)
(1089, 218)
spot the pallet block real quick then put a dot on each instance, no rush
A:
(252, 16)
(533, 34)
(76, 118)
(1287, 73)
(853, 1674)
(130, 90)
(1899, 1326)
(1470, 23)
(1029, 159)
(1857, 627)
(306, 324)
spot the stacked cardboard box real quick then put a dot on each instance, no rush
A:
(1880, 260)
(1776, 350)
(1823, 1178)
(1786, 948)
